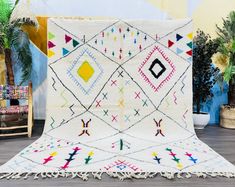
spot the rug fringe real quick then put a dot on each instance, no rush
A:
(120, 175)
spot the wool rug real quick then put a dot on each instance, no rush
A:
(119, 102)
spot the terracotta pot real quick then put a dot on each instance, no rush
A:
(227, 117)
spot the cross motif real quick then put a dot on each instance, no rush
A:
(137, 112)
(127, 118)
(98, 104)
(145, 102)
(105, 95)
(114, 118)
(137, 95)
(121, 90)
(105, 112)
(120, 74)
(127, 82)
(114, 82)
(121, 103)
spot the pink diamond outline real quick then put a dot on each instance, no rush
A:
(161, 52)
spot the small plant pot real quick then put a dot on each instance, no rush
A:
(227, 117)
(201, 120)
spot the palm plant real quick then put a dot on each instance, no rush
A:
(224, 59)
(14, 42)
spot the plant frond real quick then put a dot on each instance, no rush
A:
(5, 11)
(16, 2)
(22, 15)
(21, 52)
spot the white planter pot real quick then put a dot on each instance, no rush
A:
(201, 120)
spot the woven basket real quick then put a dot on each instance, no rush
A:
(227, 117)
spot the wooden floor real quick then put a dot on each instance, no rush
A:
(221, 140)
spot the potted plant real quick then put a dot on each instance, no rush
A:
(14, 42)
(224, 59)
(204, 76)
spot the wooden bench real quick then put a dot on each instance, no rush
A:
(8, 92)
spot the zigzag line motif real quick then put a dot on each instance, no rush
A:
(184, 118)
(66, 87)
(53, 85)
(185, 113)
(182, 81)
(66, 101)
(53, 121)
(167, 102)
(175, 98)
(72, 109)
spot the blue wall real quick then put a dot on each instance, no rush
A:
(213, 106)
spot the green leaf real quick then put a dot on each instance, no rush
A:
(16, 2)
(5, 11)
(233, 70)
(228, 73)
(21, 52)
(233, 46)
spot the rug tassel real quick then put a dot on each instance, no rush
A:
(10, 176)
(201, 174)
(36, 176)
(120, 175)
(74, 175)
(26, 176)
(4, 176)
(188, 175)
(83, 175)
(140, 175)
(97, 175)
(168, 175)
(16, 176)
(179, 176)
(48, 174)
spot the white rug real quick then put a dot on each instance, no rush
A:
(119, 102)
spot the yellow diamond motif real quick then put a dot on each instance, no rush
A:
(85, 71)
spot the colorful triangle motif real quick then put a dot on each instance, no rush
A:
(50, 36)
(189, 59)
(50, 44)
(50, 53)
(190, 44)
(75, 43)
(178, 37)
(190, 52)
(65, 51)
(178, 51)
(170, 43)
(67, 38)
(190, 36)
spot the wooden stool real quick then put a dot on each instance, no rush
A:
(8, 92)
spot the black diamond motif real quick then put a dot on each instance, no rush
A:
(162, 68)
